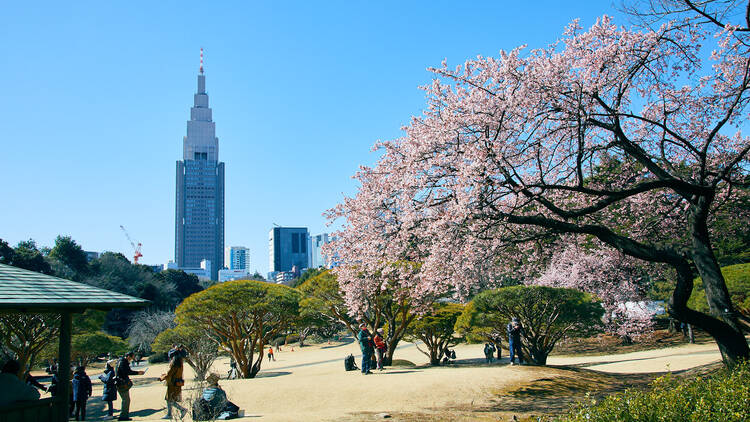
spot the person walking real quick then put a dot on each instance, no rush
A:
(515, 330)
(380, 347)
(123, 382)
(109, 392)
(81, 392)
(174, 381)
(270, 354)
(365, 344)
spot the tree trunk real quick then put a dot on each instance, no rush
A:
(499, 349)
(726, 331)
(691, 335)
(434, 357)
(256, 366)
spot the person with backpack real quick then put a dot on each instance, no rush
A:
(123, 383)
(365, 344)
(515, 330)
(81, 392)
(109, 392)
(174, 381)
(380, 347)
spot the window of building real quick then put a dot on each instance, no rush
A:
(295, 243)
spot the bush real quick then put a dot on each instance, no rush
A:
(158, 358)
(723, 396)
(547, 314)
(291, 338)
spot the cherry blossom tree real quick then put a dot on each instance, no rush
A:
(629, 136)
(615, 278)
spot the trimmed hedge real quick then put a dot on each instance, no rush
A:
(723, 396)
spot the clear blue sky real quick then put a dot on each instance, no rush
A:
(95, 96)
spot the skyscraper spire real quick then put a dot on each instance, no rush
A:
(201, 69)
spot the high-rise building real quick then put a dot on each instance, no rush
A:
(318, 258)
(199, 225)
(237, 258)
(287, 247)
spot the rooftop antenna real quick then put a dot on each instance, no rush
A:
(201, 60)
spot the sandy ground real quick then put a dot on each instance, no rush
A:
(310, 384)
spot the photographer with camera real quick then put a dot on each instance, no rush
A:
(123, 383)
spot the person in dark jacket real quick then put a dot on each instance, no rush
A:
(515, 330)
(365, 343)
(109, 393)
(489, 352)
(124, 383)
(81, 392)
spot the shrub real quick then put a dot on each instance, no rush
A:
(435, 330)
(723, 396)
(547, 314)
(158, 358)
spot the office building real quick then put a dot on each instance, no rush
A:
(199, 214)
(237, 258)
(203, 271)
(287, 247)
(229, 275)
(317, 258)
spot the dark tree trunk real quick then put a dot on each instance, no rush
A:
(255, 368)
(726, 329)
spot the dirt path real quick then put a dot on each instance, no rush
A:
(310, 384)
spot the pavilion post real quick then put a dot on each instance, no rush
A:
(63, 367)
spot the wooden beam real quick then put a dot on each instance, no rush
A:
(63, 367)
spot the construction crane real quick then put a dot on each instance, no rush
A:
(136, 248)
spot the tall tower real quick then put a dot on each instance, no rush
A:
(199, 209)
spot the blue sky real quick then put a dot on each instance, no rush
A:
(96, 96)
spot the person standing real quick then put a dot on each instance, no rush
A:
(489, 352)
(81, 392)
(124, 384)
(109, 392)
(515, 330)
(380, 347)
(270, 354)
(174, 381)
(365, 344)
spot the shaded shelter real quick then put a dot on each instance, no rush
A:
(24, 291)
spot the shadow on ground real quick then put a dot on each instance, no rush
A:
(343, 342)
(272, 374)
(551, 393)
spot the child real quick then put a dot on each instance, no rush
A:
(81, 392)
(109, 393)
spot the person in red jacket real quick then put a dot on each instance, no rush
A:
(380, 347)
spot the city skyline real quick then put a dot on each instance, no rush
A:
(94, 116)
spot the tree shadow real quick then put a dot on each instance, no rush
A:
(406, 371)
(145, 412)
(271, 374)
(344, 342)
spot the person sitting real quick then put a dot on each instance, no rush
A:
(213, 403)
(14, 390)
